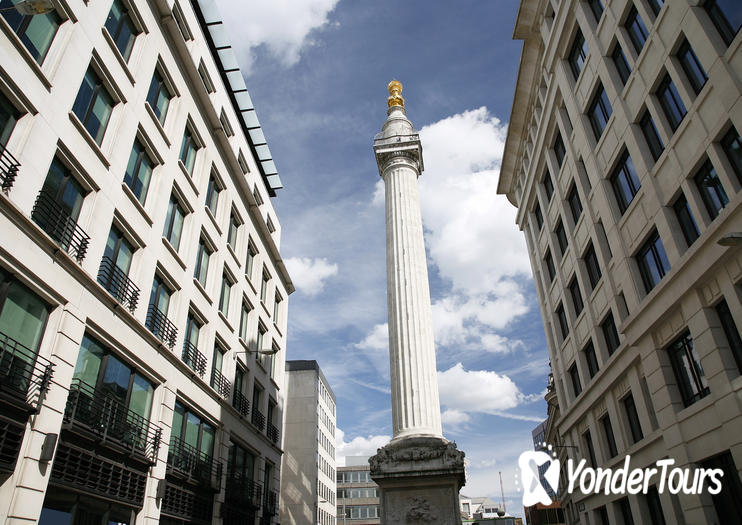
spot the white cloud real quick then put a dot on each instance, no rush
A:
(486, 392)
(309, 275)
(284, 27)
(358, 446)
(377, 338)
(454, 417)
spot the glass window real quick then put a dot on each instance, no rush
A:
(610, 440)
(202, 262)
(138, 171)
(93, 105)
(596, 6)
(160, 295)
(622, 65)
(577, 54)
(158, 97)
(726, 16)
(656, 5)
(625, 182)
(610, 333)
(637, 30)
(277, 307)
(244, 314)
(672, 104)
(192, 430)
(654, 505)
(649, 130)
(548, 186)
(599, 112)
(264, 287)
(575, 377)
(588, 439)
(592, 265)
(728, 502)
(732, 145)
(562, 318)
(539, 216)
(250, 261)
(652, 260)
(212, 195)
(9, 115)
(632, 417)
(685, 219)
(192, 330)
(712, 191)
(62, 188)
(561, 236)
(730, 330)
(692, 67)
(549, 265)
(688, 371)
(591, 359)
(559, 150)
(174, 222)
(575, 205)
(121, 28)
(119, 250)
(234, 226)
(35, 31)
(23, 314)
(624, 508)
(224, 296)
(574, 292)
(188, 151)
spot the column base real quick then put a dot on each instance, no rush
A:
(419, 480)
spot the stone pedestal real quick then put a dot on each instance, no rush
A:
(419, 480)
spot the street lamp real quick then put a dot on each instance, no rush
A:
(730, 239)
(272, 351)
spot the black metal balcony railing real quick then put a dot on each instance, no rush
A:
(241, 403)
(110, 421)
(273, 433)
(8, 168)
(24, 375)
(161, 326)
(258, 419)
(270, 503)
(242, 491)
(220, 383)
(118, 284)
(194, 358)
(188, 461)
(54, 220)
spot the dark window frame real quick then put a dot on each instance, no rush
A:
(692, 66)
(684, 361)
(592, 264)
(687, 223)
(637, 30)
(576, 294)
(625, 182)
(632, 417)
(610, 333)
(599, 111)
(712, 191)
(577, 54)
(734, 340)
(652, 261)
(84, 109)
(651, 135)
(621, 63)
(671, 103)
(591, 359)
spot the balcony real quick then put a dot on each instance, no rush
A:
(194, 358)
(220, 383)
(161, 326)
(258, 419)
(118, 284)
(271, 503)
(8, 169)
(24, 376)
(243, 492)
(62, 228)
(241, 404)
(273, 433)
(195, 466)
(94, 414)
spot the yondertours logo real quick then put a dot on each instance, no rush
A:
(540, 469)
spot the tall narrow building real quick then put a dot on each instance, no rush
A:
(624, 159)
(143, 298)
(308, 482)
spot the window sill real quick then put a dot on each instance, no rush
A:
(138, 205)
(226, 321)
(278, 330)
(173, 252)
(157, 123)
(213, 220)
(89, 139)
(201, 289)
(35, 67)
(250, 284)
(188, 177)
(234, 255)
(265, 309)
(122, 61)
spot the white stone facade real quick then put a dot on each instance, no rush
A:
(614, 245)
(308, 472)
(108, 450)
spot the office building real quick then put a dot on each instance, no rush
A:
(624, 159)
(143, 300)
(358, 495)
(308, 492)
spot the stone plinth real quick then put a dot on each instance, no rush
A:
(419, 480)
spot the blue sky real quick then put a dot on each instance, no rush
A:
(317, 71)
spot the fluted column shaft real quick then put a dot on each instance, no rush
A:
(415, 403)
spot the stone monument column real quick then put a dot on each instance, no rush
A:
(419, 472)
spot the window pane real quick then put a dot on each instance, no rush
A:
(732, 145)
(89, 361)
(622, 65)
(578, 54)
(115, 381)
(36, 32)
(685, 218)
(23, 315)
(712, 192)
(141, 396)
(637, 30)
(727, 17)
(692, 67)
(656, 147)
(671, 103)
(138, 171)
(625, 182)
